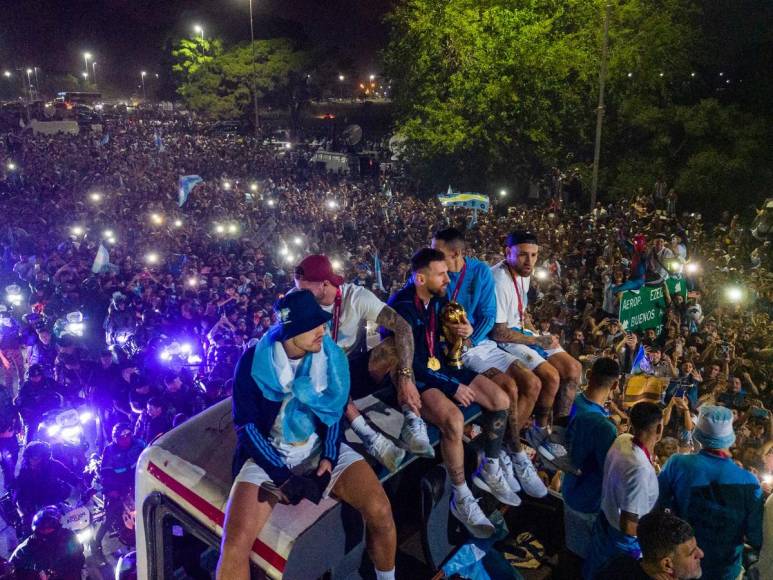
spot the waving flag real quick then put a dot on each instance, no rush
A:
(641, 364)
(468, 200)
(101, 261)
(187, 183)
(377, 270)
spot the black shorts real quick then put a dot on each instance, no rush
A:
(463, 375)
(361, 383)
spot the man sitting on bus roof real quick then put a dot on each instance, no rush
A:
(289, 395)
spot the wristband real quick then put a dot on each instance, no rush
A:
(406, 372)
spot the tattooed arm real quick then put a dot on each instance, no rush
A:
(403, 333)
(501, 333)
(407, 393)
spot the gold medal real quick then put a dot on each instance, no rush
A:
(433, 364)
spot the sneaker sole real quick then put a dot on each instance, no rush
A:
(480, 484)
(473, 532)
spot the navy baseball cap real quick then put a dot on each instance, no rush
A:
(521, 237)
(296, 313)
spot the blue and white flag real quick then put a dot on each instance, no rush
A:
(377, 270)
(641, 364)
(468, 200)
(158, 141)
(101, 261)
(104, 140)
(187, 183)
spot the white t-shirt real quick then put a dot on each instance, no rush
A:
(507, 299)
(630, 483)
(358, 306)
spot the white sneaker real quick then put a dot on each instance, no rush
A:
(507, 470)
(493, 481)
(527, 476)
(414, 435)
(387, 453)
(538, 440)
(468, 512)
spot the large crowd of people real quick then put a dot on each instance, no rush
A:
(120, 299)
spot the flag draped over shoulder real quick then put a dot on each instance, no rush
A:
(187, 183)
(101, 261)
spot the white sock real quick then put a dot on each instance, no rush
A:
(461, 490)
(363, 430)
(385, 574)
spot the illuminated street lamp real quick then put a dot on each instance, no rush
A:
(199, 30)
(503, 193)
(142, 78)
(86, 58)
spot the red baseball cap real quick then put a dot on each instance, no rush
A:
(317, 268)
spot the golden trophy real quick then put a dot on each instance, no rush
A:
(453, 313)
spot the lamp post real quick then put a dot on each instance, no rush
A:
(142, 78)
(198, 30)
(86, 58)
(29, 82)
(341, 79)
(94, 73)
(254, 75)
(600, 110)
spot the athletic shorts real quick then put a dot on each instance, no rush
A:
(253, 473)
(487, 355)
(529, 356)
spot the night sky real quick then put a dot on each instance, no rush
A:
(126, 36)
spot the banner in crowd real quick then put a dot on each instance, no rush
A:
(187, 183)
(645, 308)
(101, 261)
(469, 200)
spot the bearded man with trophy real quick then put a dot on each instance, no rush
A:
(443, 388)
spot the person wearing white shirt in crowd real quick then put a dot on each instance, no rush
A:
(547, 377)
(629, 489)
(352, 306)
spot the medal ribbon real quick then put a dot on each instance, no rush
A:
(429, 333)
(518, 293)
(638, 444)
(336, 314)
(462, 272)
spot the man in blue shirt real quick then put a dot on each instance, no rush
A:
(590, 435)
(472, 285)
(723, 502)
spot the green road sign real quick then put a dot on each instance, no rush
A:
(645, 308)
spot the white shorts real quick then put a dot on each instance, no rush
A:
(527, 356)
(253, 473)
(487, 355)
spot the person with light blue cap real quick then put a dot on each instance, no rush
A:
(722, 501)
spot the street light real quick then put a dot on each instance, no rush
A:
(86, 58)
(29, 82)
(142, 78)
(502, 192)
(94, 73)
(198, 30)
(254, 74)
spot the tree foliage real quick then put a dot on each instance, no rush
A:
(490, 90)
(220, 83)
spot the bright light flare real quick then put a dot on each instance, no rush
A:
(734, 293)
(233, 228)
(692, 267)
(297, 240)
(152, 258)
(96, 197)
(178, 223)
(541, 274)
(332, 204)
(227, 185)
(220, 229)
(77, 231)
(337, 265)
(502, 192)
(11, 166)
(157, 219)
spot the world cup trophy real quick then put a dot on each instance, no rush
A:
(453, 313)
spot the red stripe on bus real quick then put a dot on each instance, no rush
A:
(213, 513)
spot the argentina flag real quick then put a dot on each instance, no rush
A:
(187, 183)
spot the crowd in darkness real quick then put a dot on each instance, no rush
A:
(188, 288)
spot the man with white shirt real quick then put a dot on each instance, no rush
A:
(547, 377)
(351, 307)
(629, 490)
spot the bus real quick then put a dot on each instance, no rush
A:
(71, 98)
